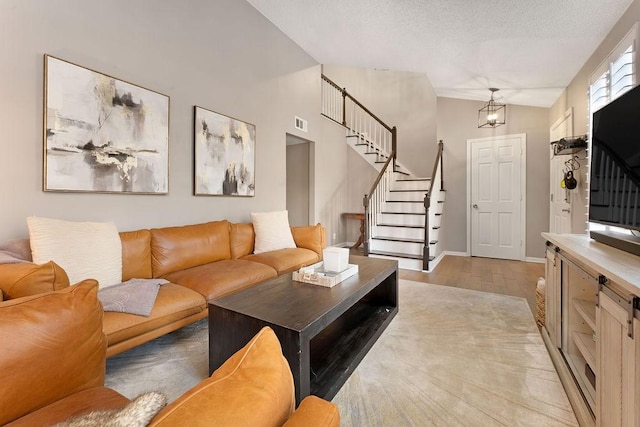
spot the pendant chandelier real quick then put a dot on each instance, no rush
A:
(493, 113)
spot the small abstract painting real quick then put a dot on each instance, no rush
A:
(102, 134)
(224, 155)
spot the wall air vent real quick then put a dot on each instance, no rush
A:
(301, 124)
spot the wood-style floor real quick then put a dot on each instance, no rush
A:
(515, 278)
(500, 276)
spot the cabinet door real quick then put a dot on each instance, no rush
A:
(552, 296)
(617, 366)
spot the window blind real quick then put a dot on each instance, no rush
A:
(622, 73)
(615, 75)
(599, 92)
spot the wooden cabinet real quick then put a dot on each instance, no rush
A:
(592, 327)
(552, 295)
(618, 360)
(579, 291)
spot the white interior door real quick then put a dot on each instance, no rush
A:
(496, 197)
(560, 199)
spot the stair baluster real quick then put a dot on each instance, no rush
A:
(425, 248)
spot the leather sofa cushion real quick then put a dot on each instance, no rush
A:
(254, 387)
(93, 399)
(310, 237)
(136, 254)
(177, 248)
(26, 278)
(314, 411)
(285, 260)
(243, 238)
(172, 304)
(221, 278)
(43, 360)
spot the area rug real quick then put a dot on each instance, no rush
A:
(456, 357)
(450, 357)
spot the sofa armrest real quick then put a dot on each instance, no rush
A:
(26, 279)
(314, 411)
(310, 237)
(253, 387)
(57, 348)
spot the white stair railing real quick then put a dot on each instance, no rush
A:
(339, 106)
(379, 137)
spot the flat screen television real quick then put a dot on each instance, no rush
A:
(614, 184)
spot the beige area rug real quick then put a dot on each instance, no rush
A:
(451, 357)
(456, 357)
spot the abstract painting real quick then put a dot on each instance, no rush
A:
(102, 134)
(224, 155)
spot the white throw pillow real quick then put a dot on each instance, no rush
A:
(272, 231)
(85, 250)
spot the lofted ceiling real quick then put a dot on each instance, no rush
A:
(529, 49)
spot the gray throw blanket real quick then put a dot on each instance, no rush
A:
(15, 251)
(135, 296)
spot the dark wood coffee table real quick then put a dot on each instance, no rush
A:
(324, 332)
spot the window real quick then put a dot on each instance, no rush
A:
(613, 77)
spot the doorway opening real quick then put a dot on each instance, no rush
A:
(300, 180)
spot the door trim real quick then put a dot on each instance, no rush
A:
(523, 187)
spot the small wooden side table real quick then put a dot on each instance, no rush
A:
(359, 216)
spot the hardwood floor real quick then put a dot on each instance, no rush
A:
(515, 278)
(507, 277)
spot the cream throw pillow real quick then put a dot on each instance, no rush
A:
(272, 231)
(85, 250)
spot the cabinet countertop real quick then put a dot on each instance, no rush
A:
(616, 265)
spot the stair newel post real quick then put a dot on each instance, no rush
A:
(344, 106)
(366, 233)
(394, 146)
(425, 248)
(441, 151)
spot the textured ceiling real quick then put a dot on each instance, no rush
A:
(529, 49)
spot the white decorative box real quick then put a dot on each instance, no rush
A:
(316, 274)
(335, 259)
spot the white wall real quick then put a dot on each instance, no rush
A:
(331, 179)
(222, 55)
(402, 99)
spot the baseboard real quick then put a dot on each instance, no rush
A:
(534, 259)
(435, 262)
(343, 245)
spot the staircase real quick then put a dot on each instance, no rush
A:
(402, 211)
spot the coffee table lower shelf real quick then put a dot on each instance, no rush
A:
(336, 352)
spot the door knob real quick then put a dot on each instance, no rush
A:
(475, 206)
(566, 210)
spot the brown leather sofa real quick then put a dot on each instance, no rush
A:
(202, 261)
(53, 363)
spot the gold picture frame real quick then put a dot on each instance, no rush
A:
(224, 155)
(102, 134)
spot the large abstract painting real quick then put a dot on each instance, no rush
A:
(103, 134)
(224, 150)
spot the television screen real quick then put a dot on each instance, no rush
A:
(614, 185)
